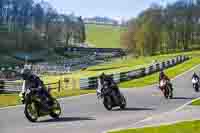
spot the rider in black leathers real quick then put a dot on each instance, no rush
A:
(108, 80)
(32, 81)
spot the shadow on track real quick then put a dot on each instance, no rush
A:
(68, 119)
(133, 109)
(183, 98)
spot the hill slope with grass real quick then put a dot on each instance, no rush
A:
(103, 36)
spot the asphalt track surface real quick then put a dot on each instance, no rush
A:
(86, 114)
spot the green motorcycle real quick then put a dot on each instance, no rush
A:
(35, 108)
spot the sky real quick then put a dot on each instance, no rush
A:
(117, 9)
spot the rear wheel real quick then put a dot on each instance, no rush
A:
(166, 92)
(196, 88)
(107, 103)
(123, 104)
(171, 94)
(31, 111)
(56, 111)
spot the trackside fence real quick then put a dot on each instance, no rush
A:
(15, 87)
(92, 82)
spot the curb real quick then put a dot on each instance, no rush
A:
(154, 125)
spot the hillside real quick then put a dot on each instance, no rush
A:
(103, 36)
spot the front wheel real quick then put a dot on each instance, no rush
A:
(56, 110)
(123, 104)
(107, 103)
(31, 111)
(166, 93)
(196, 87)
(171, 94)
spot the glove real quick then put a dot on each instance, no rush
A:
(22, 97)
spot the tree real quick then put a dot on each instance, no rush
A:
(147, 37)
(175, 27)
(26, 24)
(82, 30)
(127, 37)
(2, 4)
(50, 17)
(38, 15)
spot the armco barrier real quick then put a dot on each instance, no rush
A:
(116, 77)
(136, 73)
(12, 86)
(123, 76)
(1, 86)
(91, 83)
(88, 83)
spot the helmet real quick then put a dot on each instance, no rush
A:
(102, 76)
(194, 74)
(26, 73)
(162, 73)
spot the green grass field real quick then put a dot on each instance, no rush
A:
(124, 65)
(14, 99)
(103, 36)
(171, 72)
(196, 103)
(120, 65)
(184, 127)
(116, 66)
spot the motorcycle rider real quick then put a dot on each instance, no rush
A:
(108, 80)
(163, 76)
(195, 76)
(31, 81)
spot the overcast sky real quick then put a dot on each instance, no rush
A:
(117, 9)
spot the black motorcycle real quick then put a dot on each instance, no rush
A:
(35, 108)
(111, 99)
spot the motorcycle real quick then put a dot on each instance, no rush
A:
(35, 108)
(166, 89)
(195, 83)
(110, 98)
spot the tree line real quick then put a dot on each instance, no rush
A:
(158, 29)
(28, 25)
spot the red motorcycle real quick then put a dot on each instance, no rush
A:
(166, 89)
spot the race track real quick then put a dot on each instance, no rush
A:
(86, 114)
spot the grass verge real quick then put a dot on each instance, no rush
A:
(171, 72)
(196, 103)
(13, 99)
(120, 65)
(103, 36)
(183, 127)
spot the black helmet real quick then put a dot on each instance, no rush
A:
(26, 73)
(162, 73)
(194, 74)
(102, 76)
